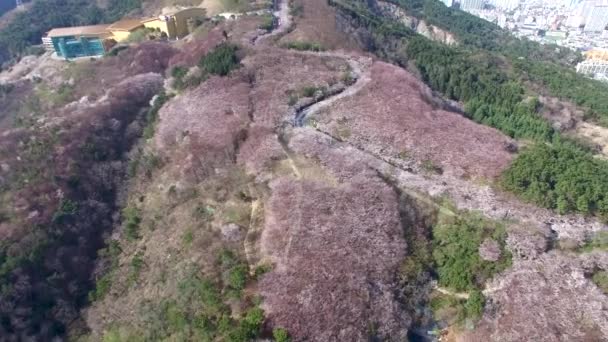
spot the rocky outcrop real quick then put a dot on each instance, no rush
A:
(422, 27)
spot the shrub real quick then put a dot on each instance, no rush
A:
(474, 305)
(238, 277)
(152, 115)
(267, 23)
(66, 208)
(102, 287)
(139, 36)
(280, 335)
(600, 279)
(456, 251)
(131, 220)
(221, 61)
(137, 263)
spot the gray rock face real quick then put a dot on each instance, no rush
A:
(429, 31)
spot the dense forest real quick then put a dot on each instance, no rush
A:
(27, 28)
(554, 172)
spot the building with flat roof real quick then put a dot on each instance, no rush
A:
(176, 24)
(79, 41)
(121, 30)
(95, 40)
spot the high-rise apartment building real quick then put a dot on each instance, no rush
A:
(469, 5)
(597, 19)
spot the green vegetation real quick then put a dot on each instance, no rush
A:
(474, 305)
(455, 310)
(561, 177)
(66, 208)
(152, 115)
(198, 312)
(222, 60)
(304, 46)
(137, 263)
(280, 335)
(55, 97)
(267, 22)
(600, 278)
(181, 79)
(103, 284)
(567, 84)
(490, 96)
(546, 65)
(456, 242)
(598, 242)
(139, 35)
(131, 217)
(555, 174)
(235, 272)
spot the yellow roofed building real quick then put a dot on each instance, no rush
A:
(121, 30)
(176, 24)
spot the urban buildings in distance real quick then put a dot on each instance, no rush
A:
(577, 24)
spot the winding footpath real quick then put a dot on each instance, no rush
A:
(465, 194)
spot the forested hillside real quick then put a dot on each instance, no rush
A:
(475, 75)
(548, 65)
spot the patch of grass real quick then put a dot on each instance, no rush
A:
(54, 97)
(203, 212)
(598, 242)
(188, 237)
(146, 163)
(304, 46)
(137, 263)
(235, 273)
(102, 287)
(267, 22)
(222, 60)
(238, 213)
(260, 270)
(600, 278)
(473, 307)
(280, 335)
(140, 35)
(152, 114)
(131, 217)
(198, 312)
(104, 283)
(430, 167)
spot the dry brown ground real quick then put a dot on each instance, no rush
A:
(336, 251)
(547, 299)
(317, 23)
(395, 113)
